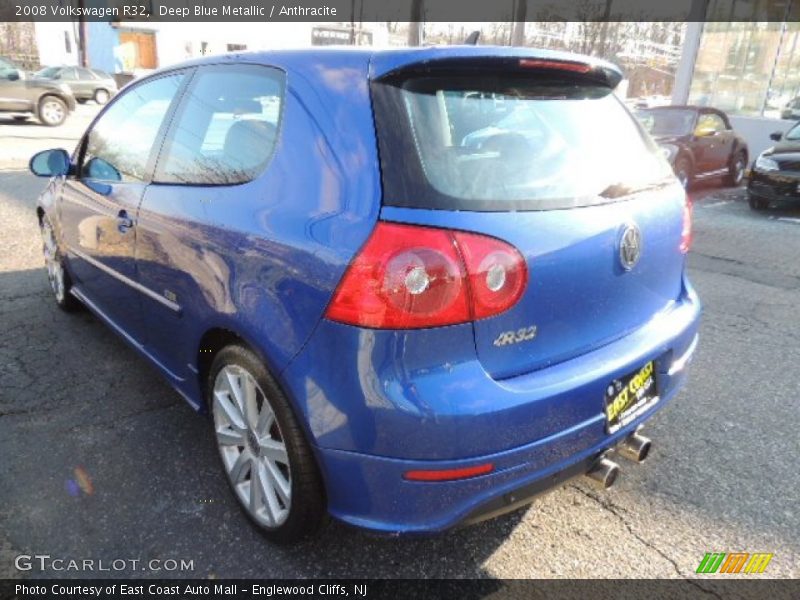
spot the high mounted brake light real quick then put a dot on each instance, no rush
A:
(560, 65)
(410, 276)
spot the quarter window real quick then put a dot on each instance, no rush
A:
(226, 129)
(123, 138)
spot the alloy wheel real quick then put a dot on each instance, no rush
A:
(101, 96)
(52, 260)
(738, 171)
(252, 446)
(52, 112)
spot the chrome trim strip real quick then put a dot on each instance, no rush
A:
(680, 363)
(714, 173)
(174, 307)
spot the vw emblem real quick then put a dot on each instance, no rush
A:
(630, 247)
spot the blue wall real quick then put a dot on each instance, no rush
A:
(103, 39)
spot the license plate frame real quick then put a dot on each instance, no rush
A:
(629, 397)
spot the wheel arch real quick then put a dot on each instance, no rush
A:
(213, 340)
(217, 337)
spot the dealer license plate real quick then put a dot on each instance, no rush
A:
(630, 397)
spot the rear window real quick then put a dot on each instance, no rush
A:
(515, 142)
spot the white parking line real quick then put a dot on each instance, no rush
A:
(788, 219)
(713, 204)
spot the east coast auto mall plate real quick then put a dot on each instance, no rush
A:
(629, 397)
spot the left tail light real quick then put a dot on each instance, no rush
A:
(410, 276)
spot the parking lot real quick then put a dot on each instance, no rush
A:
(20, 140)
(101, 460)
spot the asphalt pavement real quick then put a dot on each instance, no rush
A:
(101, 460)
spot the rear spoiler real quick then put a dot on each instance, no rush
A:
(578, 67)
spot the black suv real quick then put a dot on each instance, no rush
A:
(698, 141)
(48, 101)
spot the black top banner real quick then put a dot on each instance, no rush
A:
(400, 10)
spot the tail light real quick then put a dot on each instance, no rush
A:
(408, 276)
(686, 231)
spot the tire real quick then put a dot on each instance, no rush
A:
(757, 203)
(736, 167)
(683, 171)
(81, 100)
(52, 111)
(289, 502)
(101, 96)
(57, 274)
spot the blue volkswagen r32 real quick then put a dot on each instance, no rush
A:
(413, 288)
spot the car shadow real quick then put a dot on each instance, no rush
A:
(31, 120)
(156, 483)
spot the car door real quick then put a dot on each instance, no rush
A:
(713, 143)
(13, 91)
(99, 203)
(220, 140)
(85, 84)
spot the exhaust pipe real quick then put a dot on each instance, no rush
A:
(603, 472)
(635, 447)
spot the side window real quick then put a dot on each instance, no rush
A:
(85, 74)
(119, 145)
(69, 74)
(226, 128)
(710, 121)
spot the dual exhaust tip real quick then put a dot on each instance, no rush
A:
(604, 471)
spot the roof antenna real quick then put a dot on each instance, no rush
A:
(472, 38)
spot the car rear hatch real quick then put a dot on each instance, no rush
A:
(537, 152)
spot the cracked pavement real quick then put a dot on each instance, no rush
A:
(722, 474)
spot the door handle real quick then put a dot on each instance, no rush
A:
(124, 222)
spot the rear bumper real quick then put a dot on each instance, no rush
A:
(370, 492)
(368, 433)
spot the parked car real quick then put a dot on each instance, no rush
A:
(698, 141)
(86, 84)
(386, 325)
(792, 110)
(49, 101)
(775, 174)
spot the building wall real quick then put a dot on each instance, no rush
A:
(756, 131)
(100, 44)
(56, 43)
(177, 42)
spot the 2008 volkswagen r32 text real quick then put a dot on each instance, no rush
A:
(413, 288)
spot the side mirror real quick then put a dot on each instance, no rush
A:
(776, 136)
(50, 163)
(101, 170)
(13, 75)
